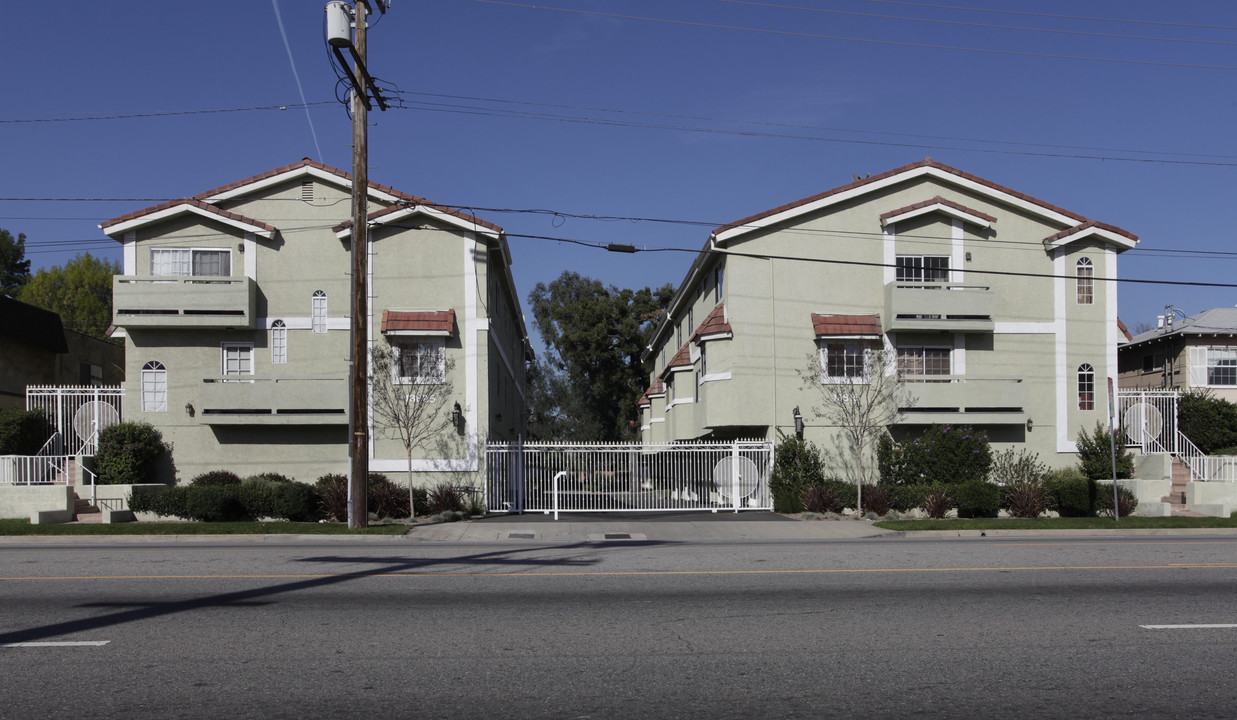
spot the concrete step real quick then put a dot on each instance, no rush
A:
(83, 511)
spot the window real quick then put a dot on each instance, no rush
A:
(1151, 363)
(186, 261)
(279, 343)
(717, 284)
(318, 312)
(1086, 387)
(1221, 366)
(919, 362)
(923, 268)
(237, 359)
(844, 361)
(420, 362)
(154, 387)
(1085, 278)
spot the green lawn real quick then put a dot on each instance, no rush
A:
(1092, 523)
(23, 527)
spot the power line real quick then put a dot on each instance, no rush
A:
(1059, 17)
(963, 23)
(169, 113)
(815, 36)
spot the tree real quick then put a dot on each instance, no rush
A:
(80, 292)
(592, 374)
(14, 267)
(415, 414)
(862, 404)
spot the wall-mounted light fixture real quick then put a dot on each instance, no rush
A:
(457, 417)
(189, 409)
(798, 423)
(1028, 424)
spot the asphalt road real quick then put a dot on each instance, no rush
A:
(886, 628)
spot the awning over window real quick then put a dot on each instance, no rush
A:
(854, 326)
(428, 322)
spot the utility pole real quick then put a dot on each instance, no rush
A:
(358, 364)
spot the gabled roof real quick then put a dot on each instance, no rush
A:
(941, 205)
(867, 326)
(297, 170)
(1217, 321)
(430, 322)
(714, 326)
(1092, 229)
(1125, 332)
(420, 206)
(117, 227)
(31, 325)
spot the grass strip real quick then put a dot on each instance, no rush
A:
(23, 527)
(1083, 523)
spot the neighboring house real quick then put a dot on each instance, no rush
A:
(35, 349)
(235, 309)
(991, 302)
(1194, 353)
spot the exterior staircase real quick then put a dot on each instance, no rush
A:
(84, 512)
(1176, 496)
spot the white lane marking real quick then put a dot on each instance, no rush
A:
(1188, 627)
(79, 643)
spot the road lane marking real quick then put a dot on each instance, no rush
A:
(1189, 627)
(619, 573)
(42, 644)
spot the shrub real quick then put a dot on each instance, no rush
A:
(944, 455)
(1209, 422)
(386, 499)
(822, 499)
(796, 467)
(269, 478)
(1070, 493)
(1095, 455)
(877, 499)
(890, 461)
(474, 504)
(23, 432)
(295, 501)
(1026, 499)
(1016, 466)
(216, 478)
(909, 497)
(333, 496)
(1127, 503)
(444, 498)
(222, 503)
(937, 503)
(166, 502)
(977, 499)
(127, 453)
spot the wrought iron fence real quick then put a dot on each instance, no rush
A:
(623, 477)
(77, 414)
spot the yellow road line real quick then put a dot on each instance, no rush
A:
(626, 573)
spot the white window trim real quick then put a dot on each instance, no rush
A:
(923, 269)
(191, 251)
(156, 373)
(949, 350)
(279, 340)
(319, 323)
(869, 344)
(1079, 277)
(438, 343)
(1200, 366)
(223, 359)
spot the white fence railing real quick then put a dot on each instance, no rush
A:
(77, 414)
(1149, 420)
(35, 469)
(557, 478)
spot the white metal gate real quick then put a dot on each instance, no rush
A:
(1149, 419)
(627, 477)
(77, 414)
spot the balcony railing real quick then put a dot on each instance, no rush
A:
(273, 401)
(951, 307)
(959, 399)
(149, 301)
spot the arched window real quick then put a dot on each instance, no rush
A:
(279, 343)
(318, 314)
(154, 387)
(1086, 387)
(1085, 278)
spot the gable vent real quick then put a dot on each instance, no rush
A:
(307, 190)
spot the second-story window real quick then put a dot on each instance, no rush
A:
(237, 359)
(1086, 281)
(923, 268)
(718, 295)
(1086, 387)
(190, 262)
(420, 362)
(318, 312)
(844, 362)
(279, 343)
(922, 363)
(154, 387)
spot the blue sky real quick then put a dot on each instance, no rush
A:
(702, 111)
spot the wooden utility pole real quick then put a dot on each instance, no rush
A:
(358, 422)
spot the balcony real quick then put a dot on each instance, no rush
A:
(273, 401)
(972, 401)
(144, 301)
(950, 307)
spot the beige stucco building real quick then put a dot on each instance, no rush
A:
(235, 309)
(992, 304)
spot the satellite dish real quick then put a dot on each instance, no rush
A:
(736, 477)
(92, 417)
(1142, 422)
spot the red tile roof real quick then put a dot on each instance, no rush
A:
(657, 388)
(192, 202)
(714, 324)
(938, 200)
(835, 325)
(928, 162)
(435, 321)
(681, 359)
(1088, 225)
(1124, 330)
